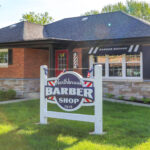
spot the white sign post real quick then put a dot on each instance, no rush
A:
(70, 91)
(43, 102)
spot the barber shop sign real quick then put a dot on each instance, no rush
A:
(70, 91)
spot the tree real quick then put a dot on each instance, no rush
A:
(40, 18)
(115, 7)
(92, 12)
(132, 7)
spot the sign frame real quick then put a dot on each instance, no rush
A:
(97, 118)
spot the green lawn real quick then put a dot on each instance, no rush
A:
(127, 127)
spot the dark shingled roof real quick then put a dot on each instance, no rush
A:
(12, 33)
(115, 25)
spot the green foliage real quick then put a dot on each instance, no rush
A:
(126, 127)
(2, 94)
(132, 7)
(3, 56)
(7, 95)
(121, 97)
(40, 18)
(146, 100)
(115, 7)
(132, 98)
(91, 12)
(11, 94)
(109, 95)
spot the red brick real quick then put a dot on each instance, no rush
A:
(26, 63)
(33, 59)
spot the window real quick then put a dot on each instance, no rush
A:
(115, 65)
(101, 60)
(120, 66)
(3, 57)
(133, 65)
(62, 61)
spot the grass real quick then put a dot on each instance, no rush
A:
(127, 127)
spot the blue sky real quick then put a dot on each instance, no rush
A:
(12, 10)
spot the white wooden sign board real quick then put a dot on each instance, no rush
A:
(70, 92)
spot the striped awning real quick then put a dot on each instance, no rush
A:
(114, 50)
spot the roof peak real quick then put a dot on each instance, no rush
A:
(109, 13)
(119, 11)
(113, 25)
(86, 16)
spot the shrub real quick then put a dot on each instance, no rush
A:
(2, 94)
(121, 97)
(132, 98)
(146, 100)
(10, 94)
(109, 95)
(7, 95)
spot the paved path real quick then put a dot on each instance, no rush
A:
(14, 101)
(126, 102)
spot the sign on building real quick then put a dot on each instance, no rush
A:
(70, 91)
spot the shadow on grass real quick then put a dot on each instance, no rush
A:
(126, 127)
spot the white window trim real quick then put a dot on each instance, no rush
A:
(4, 65)
(107, 67)
(124, 66)
(141, 65)
(123, 77)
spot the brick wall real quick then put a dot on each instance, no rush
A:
(16, 70)
(23, 75)
(26, 63)
(33, 59)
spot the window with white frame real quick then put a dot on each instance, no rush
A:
(115, 66)
(3, 57)
(101, 60)
(124, 66)
(133, 65)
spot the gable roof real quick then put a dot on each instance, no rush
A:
(114, 25)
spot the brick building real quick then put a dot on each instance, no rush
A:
(117, 41)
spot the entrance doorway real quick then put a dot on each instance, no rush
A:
(61, 61)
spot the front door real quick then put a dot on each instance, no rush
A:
(61, 61)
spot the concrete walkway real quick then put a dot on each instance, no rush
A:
(14, 101)
(126, 102)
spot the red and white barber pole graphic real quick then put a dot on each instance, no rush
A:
(70, 91)
(90, 73)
